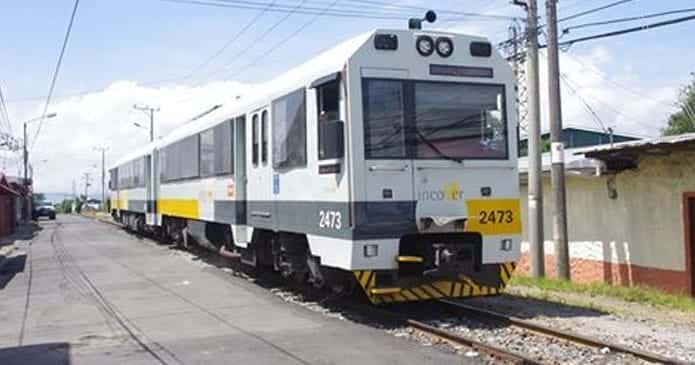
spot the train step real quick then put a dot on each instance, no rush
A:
(410, 259)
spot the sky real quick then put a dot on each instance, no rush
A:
(160, 53)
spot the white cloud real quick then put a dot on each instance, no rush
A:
(620, 99)
(106, 118)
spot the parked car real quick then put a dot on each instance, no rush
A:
(44, 210)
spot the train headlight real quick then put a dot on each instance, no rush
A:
(371, 250)
(424, 45)
(445, 47)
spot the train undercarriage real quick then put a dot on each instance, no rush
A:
(430, 266)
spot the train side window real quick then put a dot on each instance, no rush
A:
(254, 140)
(289, 130)
(328, 108)
(264, 137)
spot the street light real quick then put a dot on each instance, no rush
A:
(145, 128)
(150, 111)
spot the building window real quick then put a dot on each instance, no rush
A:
(289, 130)
(180, 160)
(328, 102)
(216, 150)
(264, 137)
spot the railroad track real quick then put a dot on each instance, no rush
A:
(480, 313)
(496, 352)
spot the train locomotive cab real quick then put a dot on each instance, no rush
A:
(434, 165)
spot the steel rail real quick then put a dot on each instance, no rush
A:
(494, 351)
(566, 335)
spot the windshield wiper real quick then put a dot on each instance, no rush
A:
(435, 148)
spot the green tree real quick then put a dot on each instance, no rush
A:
(39, 197)
(683, 121)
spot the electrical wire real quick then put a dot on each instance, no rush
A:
(569, 17)
(236, 36)
(357, 13)
(628, 19)
(567, 80)
(4, 116)
(56, 72)
(620, 86)
(594, 10)
(626, 31)
(275, 46)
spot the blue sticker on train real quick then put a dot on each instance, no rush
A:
(276, 184)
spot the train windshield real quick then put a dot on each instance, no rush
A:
(434, 120)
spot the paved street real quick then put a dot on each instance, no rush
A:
(89, 293)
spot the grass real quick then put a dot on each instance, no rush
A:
(634, 294)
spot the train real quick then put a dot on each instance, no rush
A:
(387, 164)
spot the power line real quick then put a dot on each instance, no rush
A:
(608, 106)
(357, 13)
(283, 41)
(243, 30)
(569, 17)
(620, 86)
(56, 72)
(628, 30)
(588, 107)
(253, 43)
(594, 10)
(628, 19)
(4, 116)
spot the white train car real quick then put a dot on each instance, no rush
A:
(388, 160)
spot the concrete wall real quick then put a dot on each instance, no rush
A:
(640, 232)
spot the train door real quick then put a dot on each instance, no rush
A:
(149, 192)
(261, 208)
(388, 170)
(240, 181)
(157, 219)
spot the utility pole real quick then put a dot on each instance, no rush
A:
(150, 111)
(535, 174)
(557, 149)
(103, 150)
(86, 176)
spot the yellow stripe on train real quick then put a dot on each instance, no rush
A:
(183, 208)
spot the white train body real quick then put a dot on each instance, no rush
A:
(410, 169)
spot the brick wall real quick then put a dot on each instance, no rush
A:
(588, 271)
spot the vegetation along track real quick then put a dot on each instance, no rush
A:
(485, 314)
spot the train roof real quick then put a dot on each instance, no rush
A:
(330, 61)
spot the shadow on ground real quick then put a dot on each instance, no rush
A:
(530, 308)
(24, 232)
(57, 353)
(10, 268)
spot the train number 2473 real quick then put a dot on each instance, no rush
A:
(496, 216)
(330, 219)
